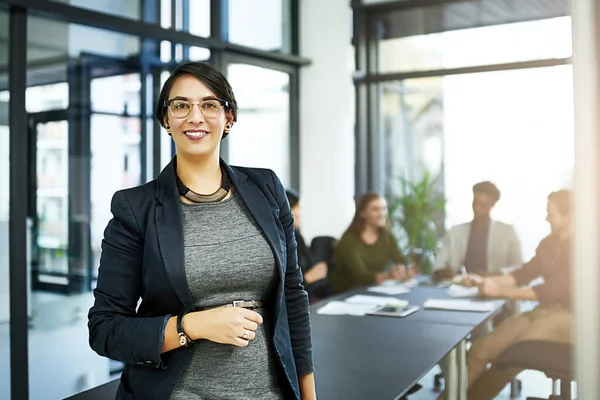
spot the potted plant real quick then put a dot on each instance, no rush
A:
(416, 213)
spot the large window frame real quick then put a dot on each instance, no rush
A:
(369, 147)
(149, 31)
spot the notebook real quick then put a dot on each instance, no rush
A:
(460, 305)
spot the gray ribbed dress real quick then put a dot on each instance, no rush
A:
(227, 258)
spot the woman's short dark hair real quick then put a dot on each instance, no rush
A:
(293, 197)
(214, 80)
(562, 200)
(488, 188)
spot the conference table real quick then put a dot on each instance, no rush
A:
(375, 357)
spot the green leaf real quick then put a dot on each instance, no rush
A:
(414, 212)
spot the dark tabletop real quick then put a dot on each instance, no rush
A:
(374, 357)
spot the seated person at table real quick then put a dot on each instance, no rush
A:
(368, 254)
(482, 246)
(551, 320)
(315, 274)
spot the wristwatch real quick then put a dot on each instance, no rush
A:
(184, 339)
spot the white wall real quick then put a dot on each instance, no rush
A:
(326, 117)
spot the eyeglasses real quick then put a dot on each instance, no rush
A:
(210, 108)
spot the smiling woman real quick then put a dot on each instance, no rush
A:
(211, 252)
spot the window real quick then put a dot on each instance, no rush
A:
(90, 100)
(263, 24)
(194, 19)
(474, 32)
(80, 152)
(127, 9)
(524, 41)
(514, 128)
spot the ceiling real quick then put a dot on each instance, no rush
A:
(465, 14)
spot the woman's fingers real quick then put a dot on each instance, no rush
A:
(251, 315)
(249, 335)
(239, 342)
(250, 325)
(243, 338)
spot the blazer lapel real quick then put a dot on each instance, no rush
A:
(261, 211)
(169, 227)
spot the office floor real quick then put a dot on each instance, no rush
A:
(535, 384)
(61, 362)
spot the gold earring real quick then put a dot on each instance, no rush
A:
(227, 128)
(168, 128)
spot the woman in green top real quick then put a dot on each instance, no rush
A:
(368, 253)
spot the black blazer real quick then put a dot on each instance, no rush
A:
(142, 257)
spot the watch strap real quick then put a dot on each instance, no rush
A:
(184, 339)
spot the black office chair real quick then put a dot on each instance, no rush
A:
(553, 359)
(510, 309)
(322, 249)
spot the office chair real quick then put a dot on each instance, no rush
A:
(322, 249)
(510, 309)
(553, 359)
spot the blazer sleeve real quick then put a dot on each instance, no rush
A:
(115, 330)
(295, 295)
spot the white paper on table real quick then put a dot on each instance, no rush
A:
(375, 300)
(460, 305)
(335, 307)
(463, 291)
(411, 283)
(391, 290)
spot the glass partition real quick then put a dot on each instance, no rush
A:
(263, 24)
(127, 9)
(514, 128)
(4, 214)
(523, 41)
(83, 103)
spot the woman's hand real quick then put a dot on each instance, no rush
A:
(471, 280)
(227, 325)
(412, 271)
(398, 272)
(489, 288)
(316, 273)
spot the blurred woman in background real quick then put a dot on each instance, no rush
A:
(368, 253)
